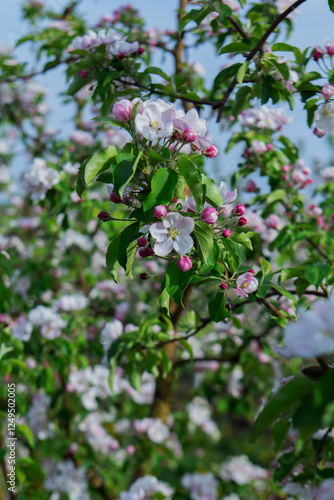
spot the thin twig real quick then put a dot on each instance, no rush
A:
(238, 28)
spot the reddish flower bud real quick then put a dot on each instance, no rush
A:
(115, 198)
(174, 200)
(143, 276)
(242, 221)
(327, 91)
(189, 135)
(211, 152)
(228, 306)
(270, 147)
(330, 48)
(83, 74)
(318, 53)
(142, 242)
(227, 233)
(149, 251)
(140, 51)
(250, 271)
(104, 216)
(240, 210)
(223, 286)
(184, 264)
(319, 132)
(209, 215)
(160, 211)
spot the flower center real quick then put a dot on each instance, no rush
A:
(245, 285)
(155, 124)
(173, 233)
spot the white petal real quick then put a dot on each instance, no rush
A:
(158, 231)
(183, 244)
(185, 225)
(172, 219)
(163, 248)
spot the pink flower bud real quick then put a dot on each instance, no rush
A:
(270, 147)
(189, 135)
(211, 152)
(250, 186)
(318, 53)
(140, 51)
(327, 91)
(209, 215)
(115, 198)
(286, 168)
(223, 286)
(250, 271)
(184, 264)
(227, 233)
(122, 110)
(143, 276)
(142, 242)
(228, 306)
(83, 74)
(319, 132)
(272, 221)
(240, 210)
(160, 211)
(130, 449)
(332, 217)
(330, 48)
(242, 221)
(104, 216)
(284, 177)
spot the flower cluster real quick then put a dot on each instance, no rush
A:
(147, 487)
(116, 43)
(39, 179)
(262, 117)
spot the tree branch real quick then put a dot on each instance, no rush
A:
(255, 50)
(238, 28)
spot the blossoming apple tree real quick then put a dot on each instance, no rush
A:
(169, 330)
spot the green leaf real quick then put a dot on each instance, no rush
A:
(265, 266)
(26, 433)
(243, 239)
(212, 194)
(99, 162)
(286, 293)
(193, 179)
(204, 238)
(177, 281)
(126, 237)
(292, 272)
(217, 309)
(76, 85)
(164, 298)
(331, 5)
(316, 273)
(276, 195)
(157, 71)
(284, 399)
(81, 183)
(112, 257)
(242, 71)
(279, 431)
(125, 170)
(235, 47)
(162, 188)
(130, 257)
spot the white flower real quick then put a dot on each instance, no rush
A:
(246, 283)
(73, 302)
(191, 120)
(313, 335)
(123, 48)
(111, 331)
(240, 470)
(201, 486)
(327, 173)
(324, 117)
(259, 146)
(173, 233)
(146, 487)
(156, 120)
(22, 329)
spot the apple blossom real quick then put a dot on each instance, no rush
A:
(246, 283)
(173, 233)
(240, 210)
(242, 221)
(156, 120)
(227, 233)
